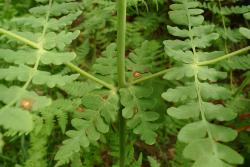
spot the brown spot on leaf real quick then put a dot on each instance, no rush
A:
(26, 104)
(136, 74)
(80, 109)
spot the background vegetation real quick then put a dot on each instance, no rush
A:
(184, 100)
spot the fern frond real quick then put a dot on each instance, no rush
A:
(237, 63)
(98, 24)
(225, 10)
(74, 87)
(146, 59)
(230, 34)
(138, 110)
(59, 40)
(57, 9)
(53, 24)
(45, 124)
(60, 110)
(98, 112)
(46, 43)
(38, 144)
(106, 66)
(194, 98)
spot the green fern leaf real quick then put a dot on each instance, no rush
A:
(191, 110)
(18, 57)
(204, 73)
(30, 21)
(213, 91)
(22, 73)
(210, 74)
(233, 35)
(99, 111)
(105, 103)
(8, 94)
(202, 151)
(138, 110)
(193, 100)
(181, 93)
(39, 138)
(198, 130)
(70, 146)
(138, 162)
(32, 36)
(73, 88)
(53, 24)
(237, 63)
(41, 32)
(59, 109)
(143, 125)
(143, 59)
(176, 31)
(57, 9)
(57, 58)
(218, 112)
(104, 66)
(245, 31)
(56, 24)
(29, 57)
(60, 40)
(53, 80)
(226, 10)
(153, 162)
(178, 14)
(16, 119)
(208, 91)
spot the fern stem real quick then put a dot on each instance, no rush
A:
(122, 140)
(197, 86)
(121, 33)
(225, 42)
(155, 75)
(89, 76)
(3, 157)
(224, 27)
(203, 116)
(19, 38)
(243, 50)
